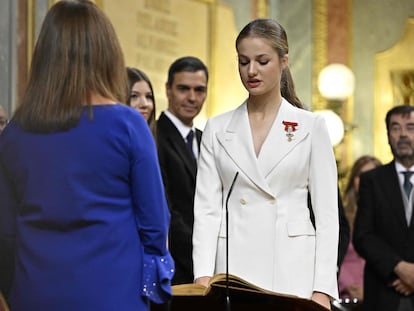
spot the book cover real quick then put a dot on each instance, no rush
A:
(243, 296)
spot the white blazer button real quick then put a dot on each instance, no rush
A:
(243, 201)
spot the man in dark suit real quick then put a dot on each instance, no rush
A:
(384, 227)
(178, 147)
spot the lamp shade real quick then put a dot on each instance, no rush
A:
(334, 124)
(336, 82)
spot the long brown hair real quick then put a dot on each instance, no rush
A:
(76, 55)
(350, 197)
(135, 75)
(275, 34)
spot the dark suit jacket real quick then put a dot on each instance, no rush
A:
(344, 235)
(178, 169)
(381, 236)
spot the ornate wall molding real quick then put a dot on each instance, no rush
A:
(331, 44)
(390, 65)
(320, 49)
(260, 9)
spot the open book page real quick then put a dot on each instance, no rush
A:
(190, 289)
(235, 281)
(238, 287)
(219, 280)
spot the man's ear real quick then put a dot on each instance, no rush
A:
(167, 90)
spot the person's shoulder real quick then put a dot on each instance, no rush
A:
(119, 112)
(289, 108)
(161, 117)
(225, 117)
(305, 119)
(9, 132)
(117, 107)
(163, 121)
(165, 128)
(382, 171)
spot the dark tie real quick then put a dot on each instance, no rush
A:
(407, 184)
(189, 142)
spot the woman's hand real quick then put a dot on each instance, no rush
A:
(356, 291)
(203, 280)
(322, 299)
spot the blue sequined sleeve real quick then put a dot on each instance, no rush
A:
(157, 274)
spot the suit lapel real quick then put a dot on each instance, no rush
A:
(176, 143)
(198, 137)
(237, 141)
(277, 145)
(392, 187)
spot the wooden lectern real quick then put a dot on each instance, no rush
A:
(244, 296)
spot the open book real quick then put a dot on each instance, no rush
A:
(218, 280)
(242, 294)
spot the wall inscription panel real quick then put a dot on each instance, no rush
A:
(153, 33)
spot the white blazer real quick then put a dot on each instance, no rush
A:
(272, 242)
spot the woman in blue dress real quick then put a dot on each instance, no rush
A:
(81, 198)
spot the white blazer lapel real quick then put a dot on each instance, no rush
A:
(237, 141)
(277, 144)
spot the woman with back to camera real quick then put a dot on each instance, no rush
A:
(141, 96)
(81, 196)
(280, 153)
(350, 280)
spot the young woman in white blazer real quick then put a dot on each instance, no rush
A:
(281, 153)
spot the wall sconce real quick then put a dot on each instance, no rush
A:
(334, 124)
(336, 82)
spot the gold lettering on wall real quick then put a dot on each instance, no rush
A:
(153, 33)
(156, 36)
(159, 5)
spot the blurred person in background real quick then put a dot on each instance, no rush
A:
(141, 96)
(350, 280)
(384, 228)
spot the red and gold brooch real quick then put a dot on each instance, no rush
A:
(290, 127)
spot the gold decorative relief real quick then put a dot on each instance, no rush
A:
(394, 85)
(262, 8)
(319, 56)
(402, 82)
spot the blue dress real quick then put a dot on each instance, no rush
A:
(87, 213)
